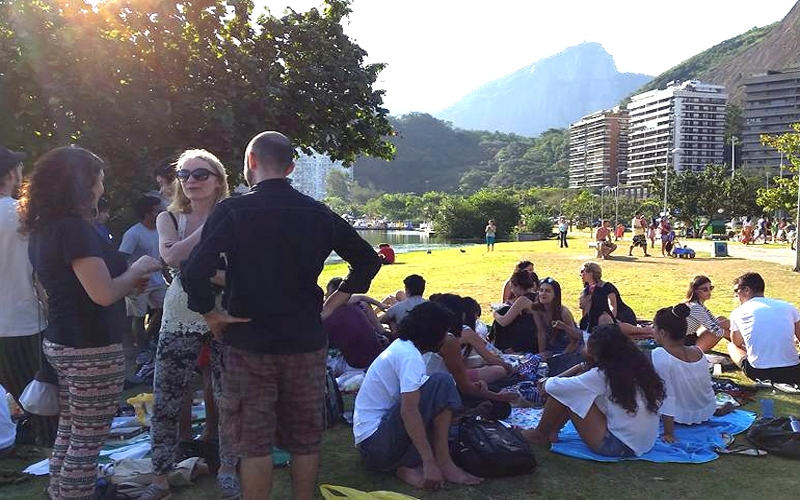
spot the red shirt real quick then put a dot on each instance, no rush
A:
(387, 253)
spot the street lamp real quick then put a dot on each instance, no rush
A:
(666, 173)
(603, 190)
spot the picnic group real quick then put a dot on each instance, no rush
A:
(227, 286)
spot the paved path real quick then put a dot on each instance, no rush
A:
(778, 253)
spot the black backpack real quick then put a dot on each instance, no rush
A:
(488, 448)
(334, 404)
(775, 436)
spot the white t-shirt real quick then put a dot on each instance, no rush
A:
(767, 327)
(639, 431)
(140, 240)
(8, 430)
(398, 369)
(20, 313)
(690, 395)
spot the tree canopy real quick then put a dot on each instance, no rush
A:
(139, 80)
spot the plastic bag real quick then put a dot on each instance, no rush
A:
(331, 492)
(40, 398)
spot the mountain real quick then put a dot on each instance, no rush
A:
(550, 93)
(772, 47)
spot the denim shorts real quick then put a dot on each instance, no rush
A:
(613, 447)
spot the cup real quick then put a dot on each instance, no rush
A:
(767, 408)
(717, 369)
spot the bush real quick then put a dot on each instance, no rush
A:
(538, 224)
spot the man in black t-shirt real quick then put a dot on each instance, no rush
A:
(274, 241)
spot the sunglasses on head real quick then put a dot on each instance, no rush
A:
(200, 174)
(548, 280)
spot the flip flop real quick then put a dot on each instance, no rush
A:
(787, 388)
(741, 450)
(727, 439)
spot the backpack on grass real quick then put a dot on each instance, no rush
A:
(333, 412)
(488, 448)
(775, 436)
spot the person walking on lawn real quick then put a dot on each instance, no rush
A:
(274, 242)
(639, 228)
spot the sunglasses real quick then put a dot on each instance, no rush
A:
(201, 174)
(708, 288)
(548, 280)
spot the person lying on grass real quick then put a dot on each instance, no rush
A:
(684, 370)
(612, 400)
(402, 416)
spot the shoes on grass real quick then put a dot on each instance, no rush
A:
(229, 486)
(153, 492)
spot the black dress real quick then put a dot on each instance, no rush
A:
(520, 334)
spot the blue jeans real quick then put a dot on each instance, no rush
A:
(390, 447)
(613, 447)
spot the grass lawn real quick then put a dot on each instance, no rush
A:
(646, 285)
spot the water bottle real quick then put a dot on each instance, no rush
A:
(542, 370)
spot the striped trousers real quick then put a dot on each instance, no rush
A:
(89, 387)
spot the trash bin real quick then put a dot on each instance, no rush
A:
(720, 249)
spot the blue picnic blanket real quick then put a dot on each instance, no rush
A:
(694, 444)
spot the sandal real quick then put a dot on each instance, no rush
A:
(741, 450)
(787, 388)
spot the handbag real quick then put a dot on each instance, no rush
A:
(40, 398)
(489, 448)
(775, 435)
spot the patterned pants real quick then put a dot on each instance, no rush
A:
(176, 359)
(89, 386)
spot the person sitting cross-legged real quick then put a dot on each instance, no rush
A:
(763, 333)
(402, 416)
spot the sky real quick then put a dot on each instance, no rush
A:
(437, 51)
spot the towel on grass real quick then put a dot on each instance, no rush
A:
(695, 443)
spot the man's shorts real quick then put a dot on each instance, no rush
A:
(137, 305)
(639, 241)
(272, 400)
(783, 374)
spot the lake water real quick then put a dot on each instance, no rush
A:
(403, 241)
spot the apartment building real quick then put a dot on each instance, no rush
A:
(771, 105)
(598, 146)
(310, 174)
(682, 125)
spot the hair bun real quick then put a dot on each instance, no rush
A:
(681, 310)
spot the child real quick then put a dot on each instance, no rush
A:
(613, 400)
(684, 370)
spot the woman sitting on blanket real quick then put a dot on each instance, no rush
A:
(612, 400)
(596, 311)
(450, 357)
(563, 337)
(508, 293)
(519, 327)
(702, 327)
(684, 370)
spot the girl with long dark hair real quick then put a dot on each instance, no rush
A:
(86, 280)
(518, 328)
(704, 328)
(563, 336)
(612, 400)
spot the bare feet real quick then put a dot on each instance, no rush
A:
(535, 436)
(412, 476)
(455, 474)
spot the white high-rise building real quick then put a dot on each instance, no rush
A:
(310, 174)
(598, 147)
(682, 126)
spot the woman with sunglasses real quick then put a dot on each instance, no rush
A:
(703, 328)
(591, 274)
(563, 337)
(86, 280)
(184, 333)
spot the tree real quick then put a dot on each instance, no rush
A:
(783, 195)
(138, 80)
(337, 184)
